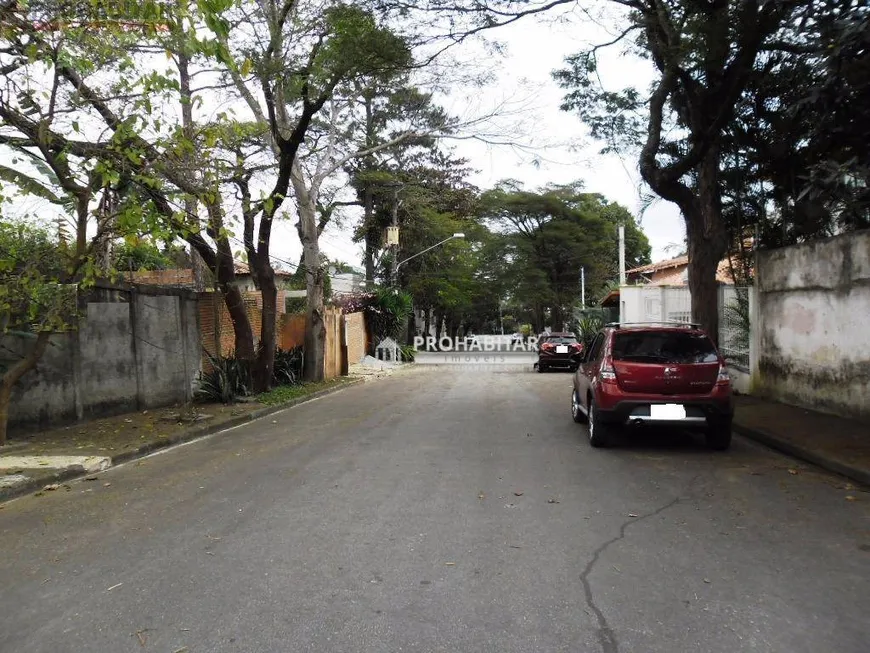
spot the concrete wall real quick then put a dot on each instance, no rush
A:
(811, 333)
(133, 349)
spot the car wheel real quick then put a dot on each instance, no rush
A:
(578, 415)
(599, 432)
(541, 369)
(718, 436)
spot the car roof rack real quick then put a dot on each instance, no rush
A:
(688, 325)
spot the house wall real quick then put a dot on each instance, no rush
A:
(812, 340)
(133, 348)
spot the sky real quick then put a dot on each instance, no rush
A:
(533, 49)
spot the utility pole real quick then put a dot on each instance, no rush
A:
(621, 255)
(583, 286)
(394, 224)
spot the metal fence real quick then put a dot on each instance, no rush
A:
(674, 304)
(734, 325)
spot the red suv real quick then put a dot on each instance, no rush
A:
(653, 374)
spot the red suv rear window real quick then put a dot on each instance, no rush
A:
(663, 347)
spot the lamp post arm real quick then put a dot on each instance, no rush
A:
(422, 252)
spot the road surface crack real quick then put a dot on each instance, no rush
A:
(606, 636)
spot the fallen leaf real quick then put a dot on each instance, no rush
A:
(850, 498)
(631, 514)
(552, 501)
(106, 484)
(707, 580)
(51, 487)
(518, 494)
(449, 564)
(183, 649)
(848, 486)
(90, 478)
(793, 472)
(141, 635)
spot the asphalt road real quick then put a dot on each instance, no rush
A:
(440, 510)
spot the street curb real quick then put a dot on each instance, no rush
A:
(855, 473)
(148, 448)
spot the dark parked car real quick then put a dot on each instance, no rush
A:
(666, 375)
(559, 351)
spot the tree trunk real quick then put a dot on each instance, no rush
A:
(14, 374)
(439, 322)
(242, 332)
(411, 331)
(368, 218)
(315, 326)
(707, 245)
(262, 376)
(426, 325)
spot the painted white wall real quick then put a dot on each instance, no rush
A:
(813, 325)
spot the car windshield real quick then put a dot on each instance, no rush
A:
(663, 347)
(561, 340)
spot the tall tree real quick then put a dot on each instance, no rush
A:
(704, 55)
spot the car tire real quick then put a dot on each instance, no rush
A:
(718, 436)
(599, 431)
(541, 369)
(578, 415)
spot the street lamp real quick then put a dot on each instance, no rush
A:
(396, 269)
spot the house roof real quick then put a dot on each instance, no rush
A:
(661, 265)
(244, 268)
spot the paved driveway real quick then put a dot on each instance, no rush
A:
(440, 510)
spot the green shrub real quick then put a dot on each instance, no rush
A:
(408, 353)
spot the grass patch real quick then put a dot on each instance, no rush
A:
(284, 393)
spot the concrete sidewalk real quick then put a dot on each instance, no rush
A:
(837, 444)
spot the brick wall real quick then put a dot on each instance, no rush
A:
(176, 277)
(217, 331)
(216, 327)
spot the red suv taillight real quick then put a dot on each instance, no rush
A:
(607, 374)
(723, 378)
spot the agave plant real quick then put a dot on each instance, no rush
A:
(228, 379)
(587, 327)
(287, 369)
